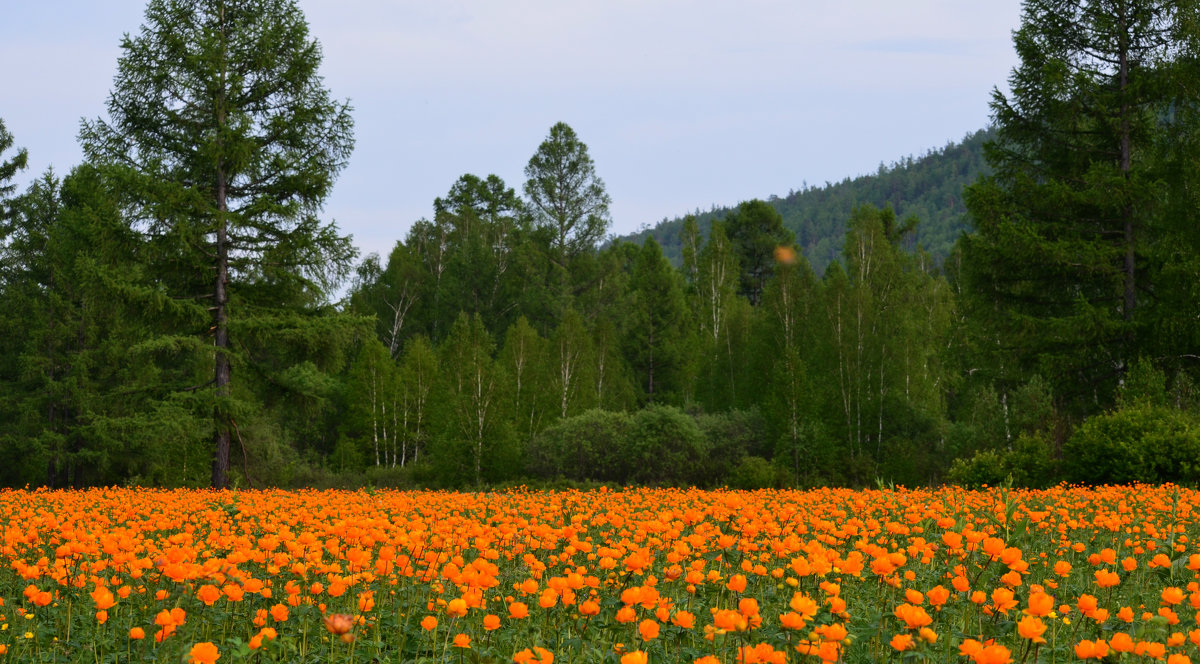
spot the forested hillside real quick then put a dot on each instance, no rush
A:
(928, 188)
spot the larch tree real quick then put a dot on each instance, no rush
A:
(568, 199)
(1057, 269)
(228, 143)
(10, 166)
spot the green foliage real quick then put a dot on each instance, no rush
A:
(662, 447)
(753, 472)
(225, 145)
(1029, 463)
(1139, 443)
(585, 447)
(756, 230)
(729, 437)
(9, 167)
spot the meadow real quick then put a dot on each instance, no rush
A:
(666, 575)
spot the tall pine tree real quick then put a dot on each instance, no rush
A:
(227, 144)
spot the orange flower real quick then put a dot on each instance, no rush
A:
(456, 608)
(737, 583)
(1087, 649)
(684, 619)
(1121, 642)
(914, 617)
(103, 598)
(648, 629)
(1106, 578)
(461, 641)
(429, 623)
(1032, 628)
(535, 656)
(491, 622)
(730, 621)
(1002, 599)
(518, 610)
(902, 642)
(137, 633)
(203, 653)
(339, 623)
(1040, 604)
(937, 596)
(279, 613)
(208, 594)
(635, 657)
(1172, 596)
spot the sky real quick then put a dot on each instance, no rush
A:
(683, 105)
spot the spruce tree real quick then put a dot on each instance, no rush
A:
(227, 144)
(1057, 268)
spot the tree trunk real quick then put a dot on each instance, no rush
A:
(220, 469)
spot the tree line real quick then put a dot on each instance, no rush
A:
(168, 316)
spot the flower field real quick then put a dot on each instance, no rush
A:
(947, 575)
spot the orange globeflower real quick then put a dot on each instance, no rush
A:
(462, 641)
(1172, 596)
(1107, 578)
(635, 657)
(137, 633)
(339, 623)
(1040, 604)
(208, 594)
(1121, 642)
(203, 653)
(491, 622)
(103, 598)
(456, 608)
(648, 629)
(937, 596)
(684, 619)
(535, 656)
(1032, 628)
(902, 642)
(737, 583)
(429, 623)
(914, 617)
(279, 612)
(1088, 649)
(1002, 599)
(518, 610)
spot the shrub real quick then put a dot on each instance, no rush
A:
(1030, 463)
(1140, 443)
(586, 447)
(663, 446)
(753, 472)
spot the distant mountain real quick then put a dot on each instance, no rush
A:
(929, 187)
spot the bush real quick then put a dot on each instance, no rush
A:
(663, 447)
(1140, 443)
(729, 437)
(1030, 463)
(753, 472)
(586, 447)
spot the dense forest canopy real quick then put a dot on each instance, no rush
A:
(1021, 305)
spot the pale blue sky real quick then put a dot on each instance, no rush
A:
(682, 104)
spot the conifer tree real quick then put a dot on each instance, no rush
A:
(1057, 268)
(227, 144)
